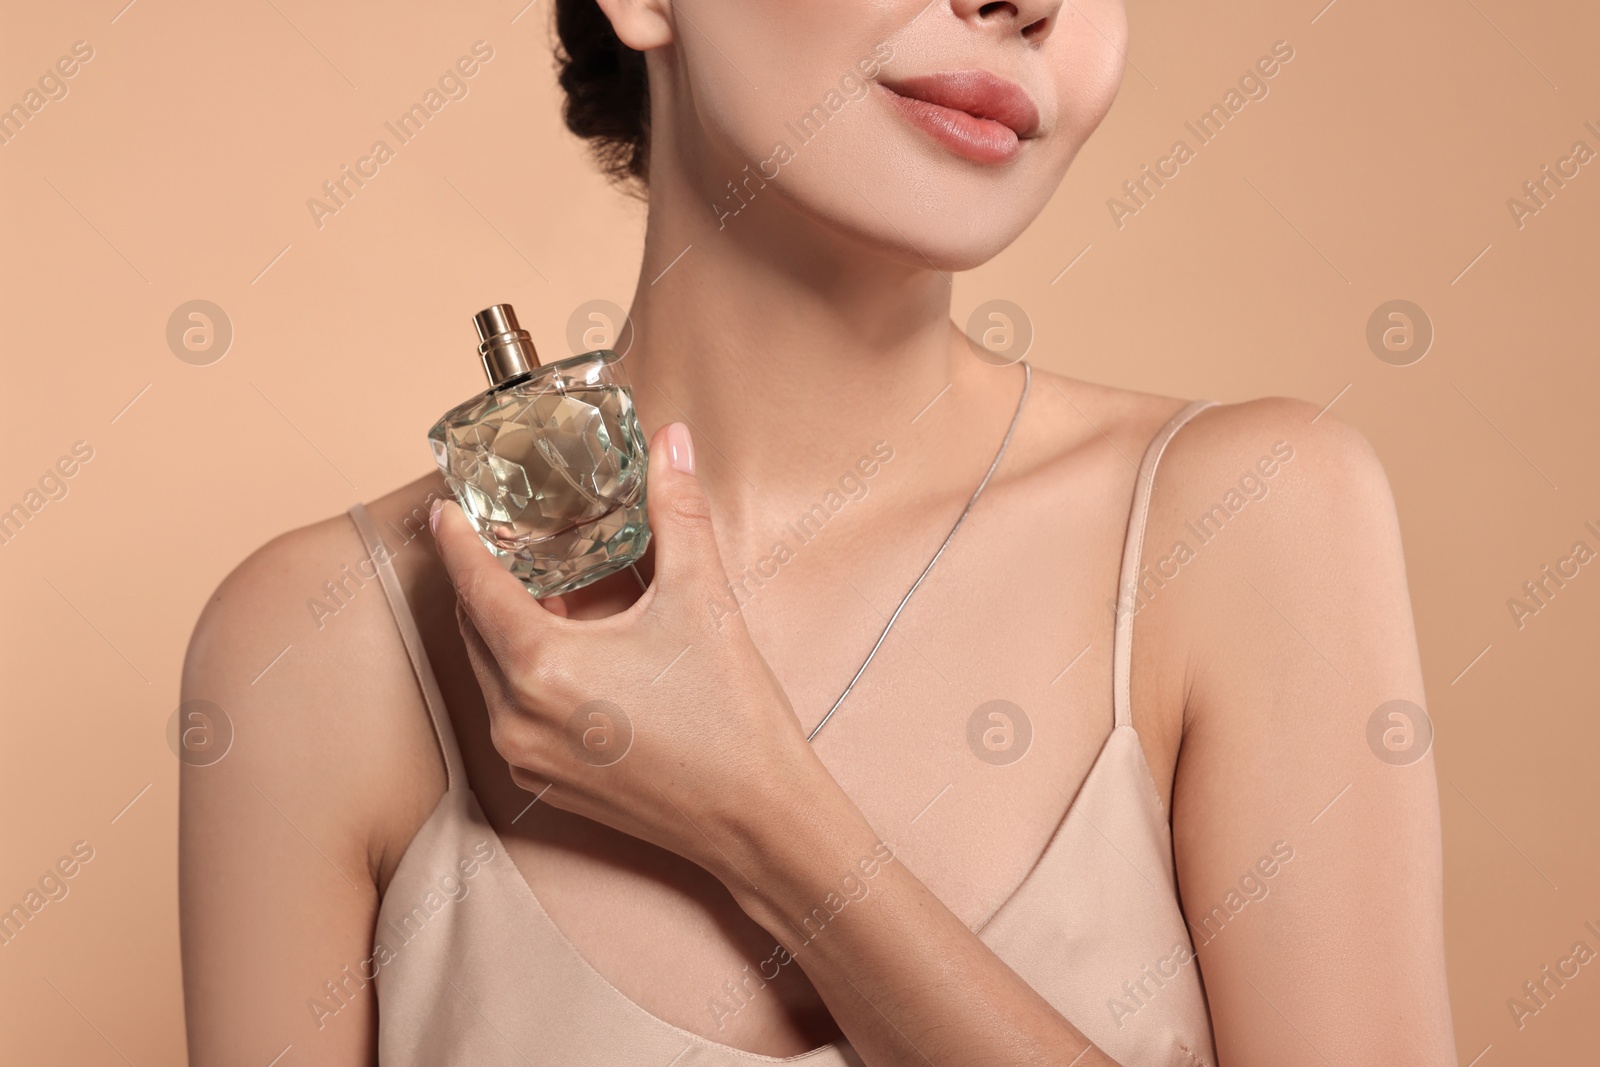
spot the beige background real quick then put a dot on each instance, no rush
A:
(178, 167)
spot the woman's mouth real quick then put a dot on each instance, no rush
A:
(975, 114)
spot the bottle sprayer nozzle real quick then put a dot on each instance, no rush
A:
(505, 347)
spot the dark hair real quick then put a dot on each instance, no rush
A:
(608, 96)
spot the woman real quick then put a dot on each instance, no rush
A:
(1022, 837)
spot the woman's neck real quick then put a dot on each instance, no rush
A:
(790, 349)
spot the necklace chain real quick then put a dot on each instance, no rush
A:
(1027, 383)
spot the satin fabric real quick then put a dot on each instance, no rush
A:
(471, 969)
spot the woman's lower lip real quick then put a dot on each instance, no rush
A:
(980, 140)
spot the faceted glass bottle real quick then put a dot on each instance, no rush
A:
(549, 463)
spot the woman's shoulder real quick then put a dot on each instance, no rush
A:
(1265, 516)
(1244, 450)
(1262, 515)
(1082, 412)
(1276, 473)
(309, 589)
(298, 649)
(1218, 441)
(1224, 458)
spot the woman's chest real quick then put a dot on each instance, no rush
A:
(963, 742)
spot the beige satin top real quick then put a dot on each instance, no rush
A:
(472, 971)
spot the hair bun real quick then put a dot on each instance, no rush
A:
(608, 94)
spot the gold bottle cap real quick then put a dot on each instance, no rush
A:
(505, 347)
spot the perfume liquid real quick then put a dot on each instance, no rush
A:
(549, 463)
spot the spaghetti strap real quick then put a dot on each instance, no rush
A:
(1128, 589)
(1099, 903)
(455, 772)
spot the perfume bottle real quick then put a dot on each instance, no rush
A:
(549, 463)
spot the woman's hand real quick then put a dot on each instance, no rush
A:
(662, 721)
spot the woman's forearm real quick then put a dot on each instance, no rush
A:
(905, 979)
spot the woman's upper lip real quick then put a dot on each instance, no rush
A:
(976, 92)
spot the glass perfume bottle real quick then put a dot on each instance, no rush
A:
(549, 463)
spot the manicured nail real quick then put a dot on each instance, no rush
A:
(680, 449)
(433, 515)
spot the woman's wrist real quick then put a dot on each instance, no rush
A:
(801, 846)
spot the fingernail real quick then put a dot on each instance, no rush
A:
(680, 449)
(433, 515)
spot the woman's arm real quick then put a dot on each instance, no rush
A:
(1306, 833)
(281, 840)
(1305, 818)
(718, 771)
(1282, 636)
(906, 980)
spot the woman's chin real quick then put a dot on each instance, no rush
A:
(957, 237)
(945, 244)
(929, 219)
(899, 202)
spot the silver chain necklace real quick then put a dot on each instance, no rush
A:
(1027, 383)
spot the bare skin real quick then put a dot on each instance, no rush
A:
(794, 340)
